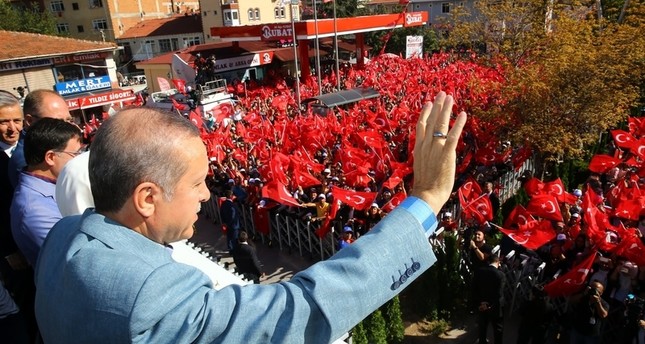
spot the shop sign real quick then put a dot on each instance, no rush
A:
(100, 99)
(83, 85)
(26, 64)
(276, 32)
(245, 61)
(79, 58)
(413, 19)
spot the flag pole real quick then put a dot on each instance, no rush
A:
(294, 3)
(336, 49)
(317, 48)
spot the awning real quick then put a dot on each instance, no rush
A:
(344, 97)
(286, 54)
(90, 100)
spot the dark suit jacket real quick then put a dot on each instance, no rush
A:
(7, 244)
(246, 260)
(488, 286)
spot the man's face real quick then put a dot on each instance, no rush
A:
(53, 107)
(174, 219)
(61, 158)
(479, 236)
(10, 124)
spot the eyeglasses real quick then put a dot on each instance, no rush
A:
(74, 154)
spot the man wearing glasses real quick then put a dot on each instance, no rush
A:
(38, 104)
(48, 145)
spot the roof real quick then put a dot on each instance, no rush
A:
(176, 25)
(21, 45)
(345, 97)
(222, 50)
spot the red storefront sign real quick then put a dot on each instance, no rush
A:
(100, 99)
(79, 58)
(415, 19)
(276, 32)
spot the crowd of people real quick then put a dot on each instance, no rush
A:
(351, 168)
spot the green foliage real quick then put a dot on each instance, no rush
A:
(394, 321)
(27, 19)
(359, 334)
(396, 43)
(376, 329)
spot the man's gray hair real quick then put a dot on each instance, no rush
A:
(135, 146)
(8, 99)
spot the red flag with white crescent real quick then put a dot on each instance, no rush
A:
(573, 281)
(394, 202)
(545, 206)
(355, 199)
(532, 238)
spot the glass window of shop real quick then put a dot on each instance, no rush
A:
(81, 71)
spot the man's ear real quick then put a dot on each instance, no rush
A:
(50, 155)
(145, 197)
(29, 120)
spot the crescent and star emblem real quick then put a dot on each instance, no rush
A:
(581, 279)
(521, 242)
(557, 189)
(550, 205)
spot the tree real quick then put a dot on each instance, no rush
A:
(394, 321)
(396, 39)
(569, 75)
(26, 19)
(376, 330)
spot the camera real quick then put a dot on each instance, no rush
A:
(591, 291)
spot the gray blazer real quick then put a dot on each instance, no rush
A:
(100, 282)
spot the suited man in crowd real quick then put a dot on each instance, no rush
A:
(488, 294)
(108, 275)
(246, 259)
(232, 218)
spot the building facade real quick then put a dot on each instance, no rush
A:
(83, 72)
(154, 37)
(245, 12)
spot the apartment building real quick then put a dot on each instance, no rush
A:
(246, 12)
(106, 20)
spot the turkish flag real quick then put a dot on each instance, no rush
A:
(355, 199)
(518, 216)
(545, 206)
(622, 138)
(534, 187)
(532, 238)
(279, 193)
(394, 201)
(573, 281)
(632, 248)
(638, 148)
(394, 180)
(261, 220)
(196, 120)
(372, 139)
(636, 126)
(305, 179)
(177, 106)
(480, 209)
(326, 225)
(556, 188)
(180, 85)
(601, 163)
(521, 156)
(630, 209)
(468, 191)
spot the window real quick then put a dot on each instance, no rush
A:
(77, 72)
(75, 6)
(80, 28)
(62, 28)
(164, 46)
(254, 14)
(175, 43)
(188, 42)
(445, 7)
(278, 12)
(57, 6)
(149, 48)
(99, 24)
(96, 3)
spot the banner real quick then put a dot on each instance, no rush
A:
(413, 46)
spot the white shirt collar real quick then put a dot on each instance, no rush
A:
(7, 149)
